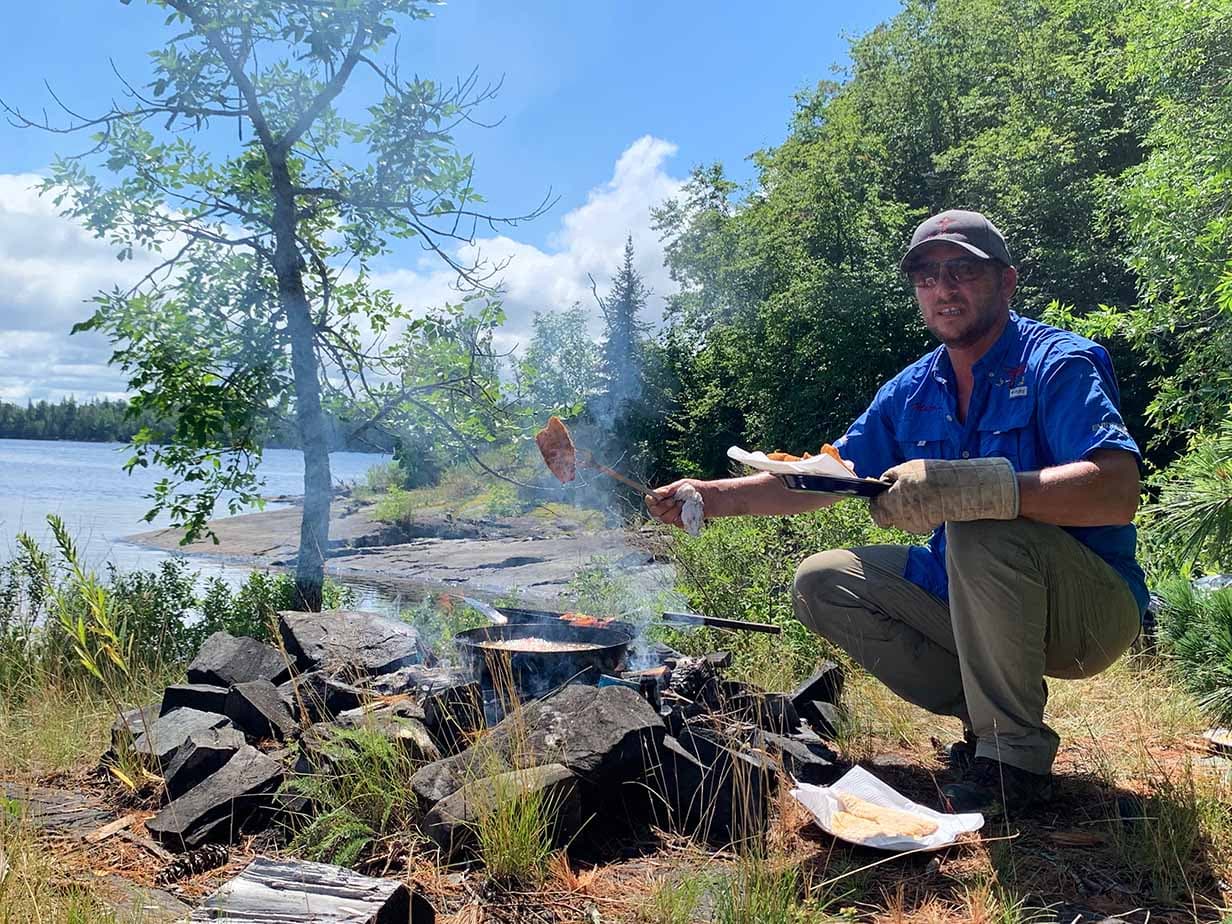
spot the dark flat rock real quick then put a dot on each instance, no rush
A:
(348, 643)
(257, 708)
(280, 891)
(319, 695)
(226, 659)
(131, 723)
(203, 753)
(163, 736)
(203, 697)
(805, 757)
(607, 736)
(217, 808)
(58, 810)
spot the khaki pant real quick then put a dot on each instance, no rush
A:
(1026, 600)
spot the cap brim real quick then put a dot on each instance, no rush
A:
(943, 238)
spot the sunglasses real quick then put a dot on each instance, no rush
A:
(926, 273)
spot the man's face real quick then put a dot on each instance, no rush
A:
(960, 314)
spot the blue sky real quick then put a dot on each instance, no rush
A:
(608, 105)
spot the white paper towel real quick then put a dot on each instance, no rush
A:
(820, 464)
(822, 803)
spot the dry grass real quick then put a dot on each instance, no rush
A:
(61, 726)
(36, 887)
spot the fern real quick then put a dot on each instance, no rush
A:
(360, 791)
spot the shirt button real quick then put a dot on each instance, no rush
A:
(949, 417)
(966, 455)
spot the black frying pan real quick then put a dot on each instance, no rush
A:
(543, 669)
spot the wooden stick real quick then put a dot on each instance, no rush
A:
(110, 828)
(628, 482)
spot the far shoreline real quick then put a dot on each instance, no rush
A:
(489, 557)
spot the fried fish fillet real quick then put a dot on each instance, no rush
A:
(861, 819)
(826, 449)
(557, 448)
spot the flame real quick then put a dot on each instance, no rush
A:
(585, 621)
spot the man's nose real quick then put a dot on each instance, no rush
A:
(946, 283)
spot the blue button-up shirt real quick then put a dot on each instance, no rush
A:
(1042, 397)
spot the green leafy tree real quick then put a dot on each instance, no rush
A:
(560, 369)
(263, 305)
(791, 311)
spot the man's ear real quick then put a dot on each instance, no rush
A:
(1009, 283)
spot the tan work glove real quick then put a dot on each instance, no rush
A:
(924, 493)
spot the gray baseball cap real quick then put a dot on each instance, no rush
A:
(969, 230)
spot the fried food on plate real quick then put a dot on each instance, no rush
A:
(860, 819)
(556, 445)
(826, 449)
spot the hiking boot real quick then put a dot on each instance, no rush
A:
(960, 754)
(993, 788)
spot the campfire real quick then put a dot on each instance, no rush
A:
(618, 727)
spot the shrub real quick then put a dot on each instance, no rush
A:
(744, 567)
(252, 609)
(1191, 519)
(380, 478)
(1195, 631)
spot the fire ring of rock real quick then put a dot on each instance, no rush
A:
(671, 743)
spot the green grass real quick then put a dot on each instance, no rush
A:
(515, 830)
(362, 803)
(760, 890)
(1183, 818)
(674, 900)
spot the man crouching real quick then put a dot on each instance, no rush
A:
(1006, 444)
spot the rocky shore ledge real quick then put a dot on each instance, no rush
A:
(536, 556)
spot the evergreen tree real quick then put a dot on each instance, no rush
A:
(624, 344)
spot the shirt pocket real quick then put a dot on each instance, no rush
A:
(1008, 431)
(920, 437)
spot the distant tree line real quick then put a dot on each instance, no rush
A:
(106, 420)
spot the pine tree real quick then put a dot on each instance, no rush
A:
(623, 354)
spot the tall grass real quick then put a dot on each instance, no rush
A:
(1185, 823)
(34, 888)
(516, 829)
(762, 889)
(360, 795)
(674, 900)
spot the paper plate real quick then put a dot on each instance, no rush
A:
(822, 803)
(820, 464)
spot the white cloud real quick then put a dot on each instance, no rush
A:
(590, 240)
(50, 267)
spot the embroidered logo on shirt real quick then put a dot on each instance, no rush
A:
(1112, 426)
(1019, 392)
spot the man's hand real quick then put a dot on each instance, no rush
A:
(924, 493)
(665, 506)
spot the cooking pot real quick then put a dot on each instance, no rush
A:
(602, 648)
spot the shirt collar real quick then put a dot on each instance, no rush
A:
(997, 352)
(942, 370)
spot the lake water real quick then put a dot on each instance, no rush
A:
(86, 485)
